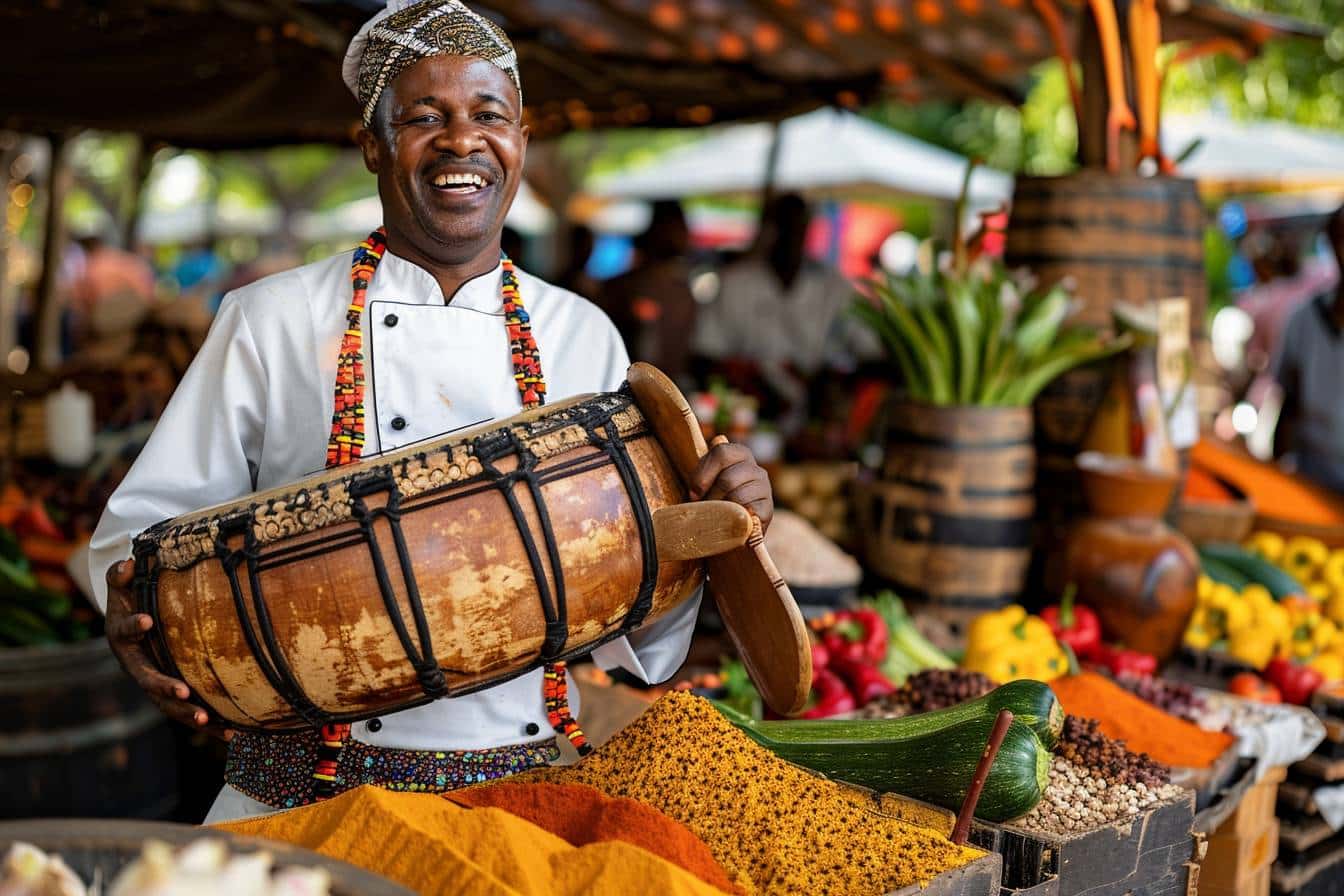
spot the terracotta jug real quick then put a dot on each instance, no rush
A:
(1138, 573)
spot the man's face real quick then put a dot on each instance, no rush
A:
(449, 154)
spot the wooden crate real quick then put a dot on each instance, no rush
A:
(1256, 885)
(1234, 859)
(980, 878)
(1317, 872)
(1257, 806)
(1153, 854)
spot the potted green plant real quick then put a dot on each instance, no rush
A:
(950, 516)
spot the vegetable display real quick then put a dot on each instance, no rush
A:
(1007, 644)
(1259, 612)
(35, 603)
(864, 654)
(1074, 625)
(931, 756)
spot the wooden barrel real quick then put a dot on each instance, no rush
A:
(950, 520)
(78, 738)
(1120, 237)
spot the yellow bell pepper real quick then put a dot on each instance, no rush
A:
(1274, 620)
(1253, 646)
(1227, 612)
(1319, 591)
(1203, 589)
(1258, 597)
(1302, 556)
(1324, 634)
(1008, 644)
(1198, 633)
(1267, 544)
(1333, 571)
(1303, 620)
(1334, 607)
(1330, 665)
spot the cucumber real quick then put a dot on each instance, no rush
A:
(1223, 574)
(1256, 568)
(935, 765)
(1031, 702)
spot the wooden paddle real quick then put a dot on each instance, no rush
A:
(757, 608)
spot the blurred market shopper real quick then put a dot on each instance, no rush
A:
(777, 306)
(426, 329)
(1309, 368)
(652, 304)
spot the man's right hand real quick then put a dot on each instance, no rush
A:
(126, 630)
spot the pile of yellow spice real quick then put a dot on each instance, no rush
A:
(774, 827)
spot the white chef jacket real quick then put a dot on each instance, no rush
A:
(254, 411)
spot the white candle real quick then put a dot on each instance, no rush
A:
(70, 426)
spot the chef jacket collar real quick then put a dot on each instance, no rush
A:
(405, 282)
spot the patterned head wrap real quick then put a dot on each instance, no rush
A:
(410, 30)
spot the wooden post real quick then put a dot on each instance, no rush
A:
(1092, 127)
(47, 311)
(133, 201)
(11, 145)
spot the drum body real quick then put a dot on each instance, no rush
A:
(432, 571)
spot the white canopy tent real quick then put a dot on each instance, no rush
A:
(828, 152)
(1255, 155)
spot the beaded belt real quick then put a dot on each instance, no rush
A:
(277, 769)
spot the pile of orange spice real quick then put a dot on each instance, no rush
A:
(1143, 727)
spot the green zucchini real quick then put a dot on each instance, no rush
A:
(1254, 567)
(1222, 573)
(1031, 702)
(935, 765)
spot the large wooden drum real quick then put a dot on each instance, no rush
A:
(450, 566)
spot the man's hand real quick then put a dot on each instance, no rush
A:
(730, 473)
(126, 631)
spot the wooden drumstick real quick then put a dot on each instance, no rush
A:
(699, 530)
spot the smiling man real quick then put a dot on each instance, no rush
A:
(427, 327)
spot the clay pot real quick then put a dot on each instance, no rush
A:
(1138, 573)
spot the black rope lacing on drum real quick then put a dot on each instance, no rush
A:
(421, 657)
(271, 659)
(554, 608)
(610, 441)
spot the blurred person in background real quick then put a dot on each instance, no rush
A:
(777, 306)
(651, 304)
(110, 291)
(1309, 369)
(574, 275)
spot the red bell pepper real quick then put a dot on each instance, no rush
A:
(865, 682)
(821, 658)
(859, 635)
(832, 697)
(1295, 683)
(1074, 625)
(1125, 662)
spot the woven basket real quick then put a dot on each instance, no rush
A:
(1204, 522)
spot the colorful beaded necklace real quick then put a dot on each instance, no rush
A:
(346, 444)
